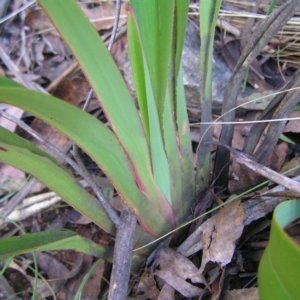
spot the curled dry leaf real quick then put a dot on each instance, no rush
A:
(221, 233)
(293, 125)
(183, 287)
(92, 287)
(102, 16)
(175, 269)
(177, 264)
(38, 21)
(57, 273)
(148, 287)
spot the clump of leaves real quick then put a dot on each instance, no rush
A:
(148, 159)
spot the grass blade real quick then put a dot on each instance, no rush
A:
(181, 16)
(185, 147)
(278, 271)
(155, 23)
(149, 105)
(52, 240)
(209, 12)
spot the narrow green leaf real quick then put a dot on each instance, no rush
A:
(181, 205)
(9, 83)
(158, 155)
(49, 241)
(159, 159)
(286, 139)
(168, 123)
(109, 86)
(23, 155)
(181, 16)
(102, 146)
(279, 273)
(86, 277)
(171, 147)
(155, 23)
(185, 147)
(137, 64)
(208, 19)
(164, 39)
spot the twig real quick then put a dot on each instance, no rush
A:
(3, 8)
(22, 213)
(30, 205)
(14, 13)
(122, 257)
(125, 234)
(20, 78)
(115, 26)
(16, 199)
(248, 161)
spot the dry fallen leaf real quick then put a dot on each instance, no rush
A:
(73, 92)
(38, 21)
(175, 270)
(291, 164)
(167, 293)
(56, 272)
(92, 287)
(217, 285)
(147, 286)
(293, 125)
(183, 287)
(220, 235)
(102, 15)
(177, 264)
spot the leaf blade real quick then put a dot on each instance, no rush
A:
(52, 240)
(102, 146)
(104, 77)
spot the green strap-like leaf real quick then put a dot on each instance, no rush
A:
(181, 15)
(159, 159)
(52, 240)
(173, 156)
(178, 146)
(97, 141)
(109, 86)
(141, 39)
(158, 156)
(279, 268)
(208, 19)
(155, 23)
(185, 146)
(23, 155)
(138, 72)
